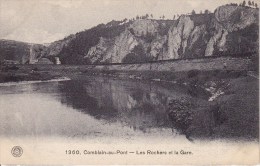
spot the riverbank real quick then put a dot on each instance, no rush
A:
(14, 73)
(189, 71)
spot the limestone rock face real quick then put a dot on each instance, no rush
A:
(217, 39)
(197, 41)
(36, 51)
(122, 46)
(197, 32)
(56, 47)
(157, 48)
(234, 18)
(174, 43)
(98, 52)
(112, 51)
(144, 26)
(227, 21)
(178, 37)
(183, 37)
(190, 36)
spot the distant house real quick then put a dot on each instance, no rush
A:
(57, 61)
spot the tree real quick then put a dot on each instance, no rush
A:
(193, 12)
(174, 17)
(249, 3)
(234, 4)
(253, 3)
(206, 11)
(147, 16)
(256, 5)
(163, 17)
(151, 15)
(244, 3)
(138, 54)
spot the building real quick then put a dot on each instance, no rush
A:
(57, 61)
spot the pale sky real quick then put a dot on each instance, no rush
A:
(44, 21)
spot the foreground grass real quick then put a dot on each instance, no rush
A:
(233, 115)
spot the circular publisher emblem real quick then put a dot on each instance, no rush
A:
(17, 151)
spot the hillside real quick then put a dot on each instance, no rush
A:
(20, 52)
(230, 30)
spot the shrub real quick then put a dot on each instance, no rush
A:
(137, 55)
(193, 73)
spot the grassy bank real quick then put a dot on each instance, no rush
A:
(14, 73)
(233, 114)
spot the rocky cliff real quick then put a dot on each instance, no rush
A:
(231, 30)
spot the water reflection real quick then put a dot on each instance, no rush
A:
(141, 106)
(132, 104)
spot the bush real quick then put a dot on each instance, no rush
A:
(193, 73)
(35, 69)
(137, 55)
(12, 68)
(148, 37)
(180, 114)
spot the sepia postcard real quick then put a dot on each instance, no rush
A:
(129, 82)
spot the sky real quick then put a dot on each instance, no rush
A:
(45, 21)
